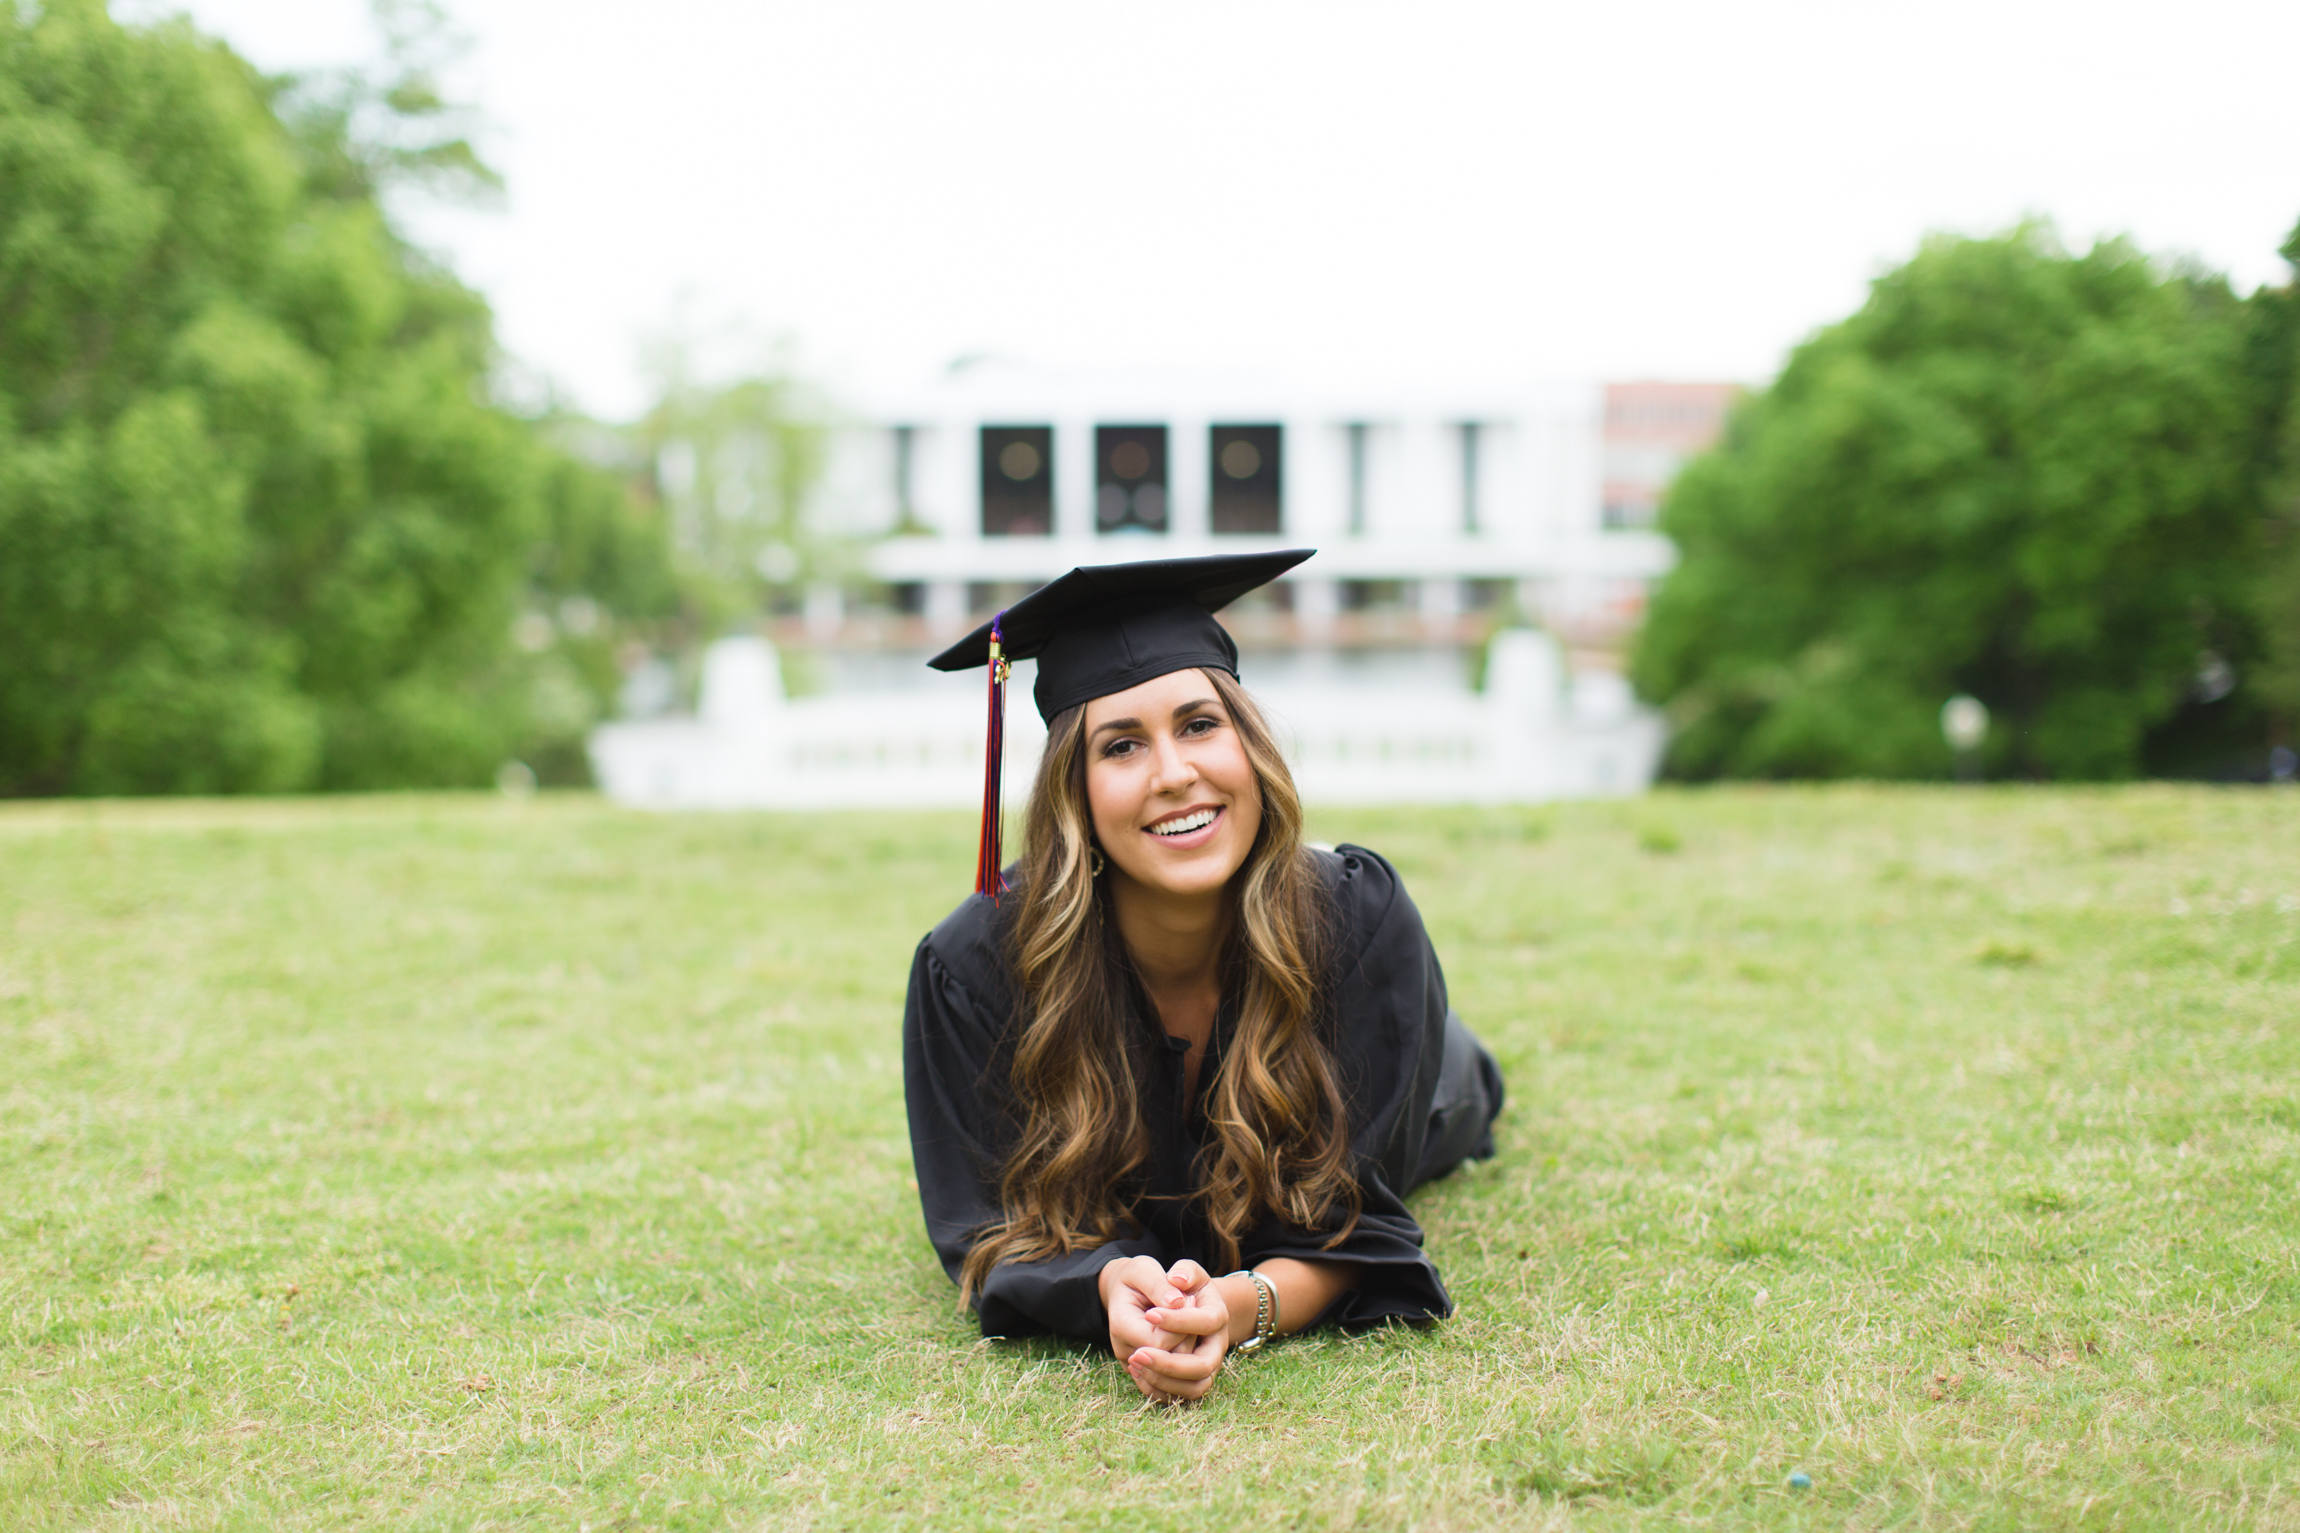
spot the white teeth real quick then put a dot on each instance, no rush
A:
(1185, 825)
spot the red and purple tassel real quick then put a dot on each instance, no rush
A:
(988, 877)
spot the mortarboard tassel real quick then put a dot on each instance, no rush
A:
(988, 877)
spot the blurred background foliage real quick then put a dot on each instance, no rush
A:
(266, 524)
(2275, 368)
(2061, 483)
(733, 464)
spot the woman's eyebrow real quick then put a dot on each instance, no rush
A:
(1181, 711)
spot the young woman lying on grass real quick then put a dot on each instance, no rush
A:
(1178, 1043)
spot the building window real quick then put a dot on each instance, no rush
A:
(1469, 476)
(1484, 595)
(1130, 479)
(1357, 478)
(1373, 595)
(1017, 481)
(1246, 496)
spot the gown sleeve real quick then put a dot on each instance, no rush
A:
(952, 1025)
(1389, 1008)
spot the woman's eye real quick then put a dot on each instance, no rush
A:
(1118, 750)
(1198, 726)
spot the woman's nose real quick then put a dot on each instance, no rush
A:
(1174, 770)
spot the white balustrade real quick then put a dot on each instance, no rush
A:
(1531, 735)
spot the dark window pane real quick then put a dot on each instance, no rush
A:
(1130, 478)
(1373, 595)
(1246, 479)
(1627, 508)
(1017, 481)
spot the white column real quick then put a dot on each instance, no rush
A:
(1189, 478)
(1533, 600)
(948, 480)
(1385, 476)
(742, 685)
(1316, 604)
(1073, 479)
(1427, 499)
(1314, 481)
(1524, 694)
(1578, 483)
(826, 612)
(946, 607)
(1440, 600)
(1503, 512)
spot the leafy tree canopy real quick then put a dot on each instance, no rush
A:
(2275, 365)
(735, 457)
(264, 529)
(2018, 473)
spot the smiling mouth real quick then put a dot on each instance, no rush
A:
(1197, 819)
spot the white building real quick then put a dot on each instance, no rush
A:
(1437, 517)
(1430, 503)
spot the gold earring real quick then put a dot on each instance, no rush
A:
(1094, 862)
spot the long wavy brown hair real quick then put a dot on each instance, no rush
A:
(1079, 1060)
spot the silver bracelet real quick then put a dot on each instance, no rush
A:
(1265, 1310)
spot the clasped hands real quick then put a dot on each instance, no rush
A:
(1169, 1325)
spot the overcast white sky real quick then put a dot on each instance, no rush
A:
(1403, 192)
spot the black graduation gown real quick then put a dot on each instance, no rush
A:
(1389, 1025)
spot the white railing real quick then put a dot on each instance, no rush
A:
(1529, 736)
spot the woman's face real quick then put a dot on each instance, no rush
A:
(1174, 800)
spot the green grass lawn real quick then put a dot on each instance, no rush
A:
(458, 1163)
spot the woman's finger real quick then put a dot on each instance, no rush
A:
(1187, 1275)
(1147, 1278)
(1191, 1320)
(1171, 1338)
(1129, 1329)
(1168, 1390)
(1175, 1369)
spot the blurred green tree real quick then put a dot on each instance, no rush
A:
(734, 462)
(263, 527)
(2014, 472)
(2276, 368)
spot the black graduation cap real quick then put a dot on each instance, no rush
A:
(1101, 629)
